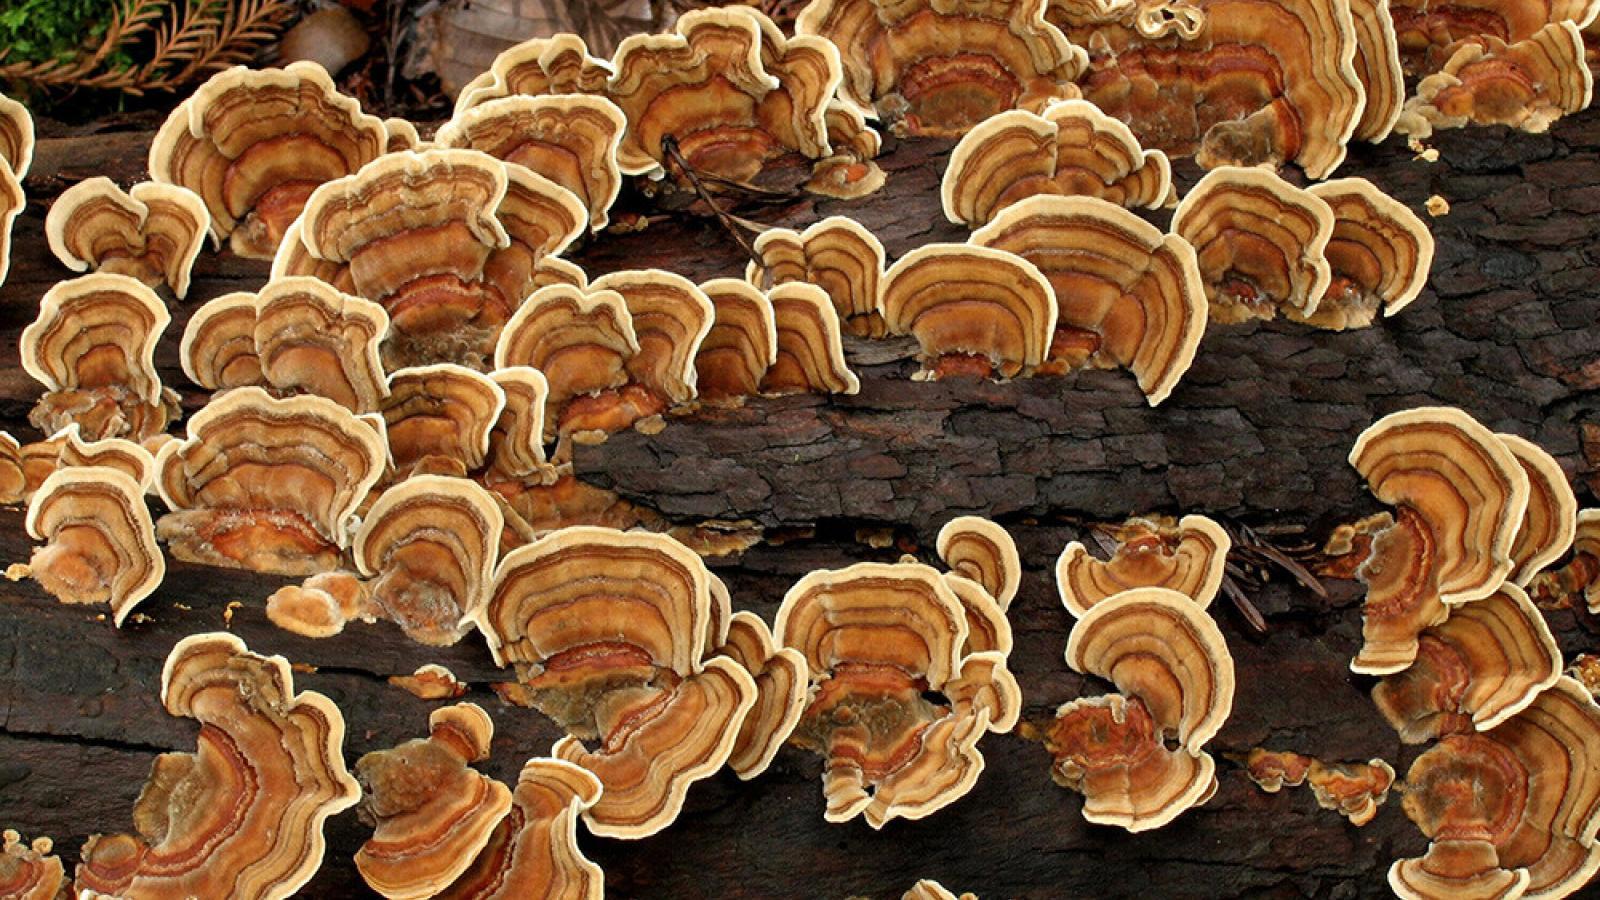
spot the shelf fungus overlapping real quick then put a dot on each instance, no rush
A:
(810, 344)
(1355, 790)
(1510, 812)
(1233, 82)
(1070, 149)
(1188, 556)
(838, 255)
(741, 345)
(937, 68)
(983, 552)
(1126, 295)
(1528, 84)
(782, 686)
(242, 816)
(218, 348)
(1377, 67)
(267, 484)
(1429, 32)
(534, 852)
(30, 871)
(152, 231)
(1137, 755)
(555, 65)
(848, 172)
(100, 541)
(16, 155)
(93, 348)
(255, 143)
(974, 310)
(897, 705)
(1550, 524)
(1378, 255)
(132, 460)
(447, 241)
(610, 633)
(1460, 496)
(439, 419)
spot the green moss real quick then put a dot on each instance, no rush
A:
(40, 30)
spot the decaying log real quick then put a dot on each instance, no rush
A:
(1257, 432)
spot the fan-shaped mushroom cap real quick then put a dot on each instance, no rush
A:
(516, 445)
(432, 813)
(1430, 32)
(741, 344)
(431, 542)
(1110, 748)
(928, 889)
(321, 606)
(1158, 645)
(671, 317)
(131, 459)
(93, 348)
(218, 349)
(534, 850)
(940, 68)
(984, 552)
(1072, 149)
(16, 136)
(1261, 243)
(439, 418)
(728, 87)
(1126, 294)
(254, 143)
(1188, 557)
(837, 254)
(152, 232)
(1551, 522)
(782, 683)
(1474, 670)
(1461, 496)
(1378, 255)
(655, 744)
(101, 541)
(581, 341)
(970, 308)
(267, 484)
(555, 65)
(243, 815)
(1528, 84)
(311, 338)
(399, 135)
(985, 685)
(571, 139)
(988, 629)
(13, 472)
(1377, 66)
(28, 871)
(1511, 810)
(850, 172)
(810, 346)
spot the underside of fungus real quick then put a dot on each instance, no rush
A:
(101, 543)
(152, 231)
(243, 815)
(1188, 556)
(837, 254)
(1527, 85)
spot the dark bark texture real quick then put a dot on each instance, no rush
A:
(1257, 432)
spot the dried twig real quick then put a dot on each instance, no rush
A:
(669, 146)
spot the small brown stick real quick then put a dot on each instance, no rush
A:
(669, 145)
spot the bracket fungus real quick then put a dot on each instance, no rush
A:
(101, 542)
(1429, 32)
(29, 871)
(1188, 556)
(560, 64)
(1071, 149)
(937, 68)
(16, 155)
(782, 684)
(309, 339)
(1355, 790)
(1126, 294)
(1461, 496)
(243, 815)
(321, 606)
(741, 344)
(1550, 524)
(1510, 812)
(13, 472)
(571, 139)
(93, 348)
(670, 316)
(1378, 255)
(131, 459)
(884, 643)
(973, 310)
(534, 850)
(810, 346)
(729, 88)
(431, 813)
(447, 241)
(1261, 243)
(152, 231)
(266, 484)
(838, 255)
(516, 443)
(254, 143)
(1527, 85)
(1377, 67)
(849, 173)
(928, 889)
(439, 419)
(982, 551)
(429, 544)
(218, 348)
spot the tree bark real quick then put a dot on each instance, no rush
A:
(1257, 432)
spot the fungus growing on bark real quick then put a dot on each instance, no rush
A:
(516, 444)
(1378, 255)
(670, 316)
(13, 473)
(429, 545)
(938, 69)
(534, 850)
(1261, 243)
(430, 682)
(1429, 32)
(439, 418)
(1071, 149)
(1126, 294)
(553, 65)
(1354, 790)
(151, 232)
(218, 349)
(571, 139)
(782, 682)
(267, 484)
(16, 154)
(810, 347)
(131, 459)
(741, 344)
(243, 815)
(838, 255)
(1527, 85)
(582, 342)
(93, 348)
(1377, 67)
(1461, 496)
(1551, 522)
(321, 606)
(431, 813)
(849, 173)
(255, 143)
(29, 871)
(1188, 556)
(100, 541)
(928, 889)
(973, 310)
(984, 552)
(312, 339)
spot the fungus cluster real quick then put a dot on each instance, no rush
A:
(16, 154)
(1354, 790)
